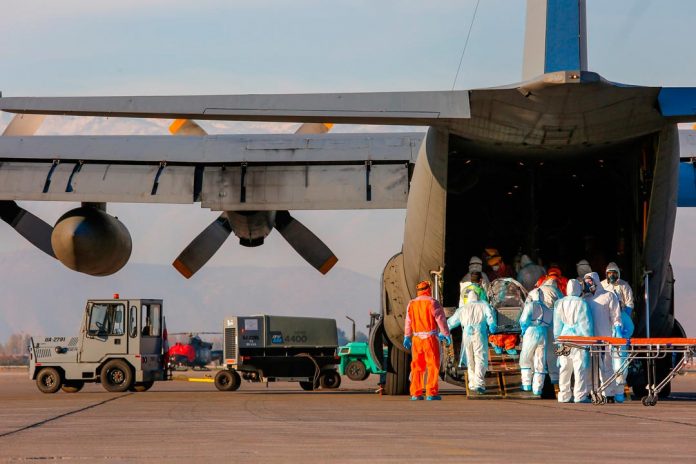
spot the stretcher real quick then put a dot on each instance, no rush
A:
(629, 349)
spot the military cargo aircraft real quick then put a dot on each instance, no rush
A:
(519, 166)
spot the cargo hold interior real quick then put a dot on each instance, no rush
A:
(559, 208)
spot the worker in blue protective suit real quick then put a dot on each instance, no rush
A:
(606, 319)
(477, 319)
(536, 321)
(572, 317)
(613, 283)
(529, 272)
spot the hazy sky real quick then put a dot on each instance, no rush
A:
(127, 47)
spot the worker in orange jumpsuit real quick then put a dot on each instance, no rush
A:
(425, 328)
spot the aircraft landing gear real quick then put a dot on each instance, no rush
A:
(397, 372)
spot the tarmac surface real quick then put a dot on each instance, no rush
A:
(183, 421)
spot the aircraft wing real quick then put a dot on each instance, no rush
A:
(224, 173)
(401, 108)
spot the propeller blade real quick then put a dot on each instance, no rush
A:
(24, 124)
(186, 127)
(203, 247)
(308, 245)
(314, 128)
(35, 230)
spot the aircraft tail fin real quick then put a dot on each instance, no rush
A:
(555, 37)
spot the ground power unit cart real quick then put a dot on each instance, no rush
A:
(279, 348)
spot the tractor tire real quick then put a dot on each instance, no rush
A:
(227, 380)
(49, 380)
(356, 370)
(72, 386)
(140, 387)
(330, 380)
(398, 372)
(116, 376)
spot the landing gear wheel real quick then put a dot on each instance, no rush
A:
(142, 386)
(116, 376)
(72, 386)
(397, 372)
(49, 380)
(330, 379)
(227, 380)
(356, 370)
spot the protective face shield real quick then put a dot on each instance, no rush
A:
(588, 285)
(612, 276)
(476, 277)
(475, 264)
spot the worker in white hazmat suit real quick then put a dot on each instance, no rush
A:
(536, 323)
(475, 265)
(583, 267)
(477, 319)
(529, 272)
(613, 283)
(606, 318)
(572, 317)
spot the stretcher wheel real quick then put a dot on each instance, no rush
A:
(649, 400)
(602, 399)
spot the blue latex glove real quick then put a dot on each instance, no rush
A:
(492, 328)
(523, 328)
(628, 310)
(445, 338)
(407, 343)
(617, 332)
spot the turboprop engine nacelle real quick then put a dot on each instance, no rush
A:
(90, 241)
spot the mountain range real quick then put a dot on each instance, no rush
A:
(41, 297)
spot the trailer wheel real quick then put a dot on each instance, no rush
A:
(141, 386)
(330, 379)
(49, 380)
(116, 376)
(308, 386)
(72, 386)
(227, 380)
(356, 370)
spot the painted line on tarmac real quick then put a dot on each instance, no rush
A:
(60, 416)
(629, 416)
